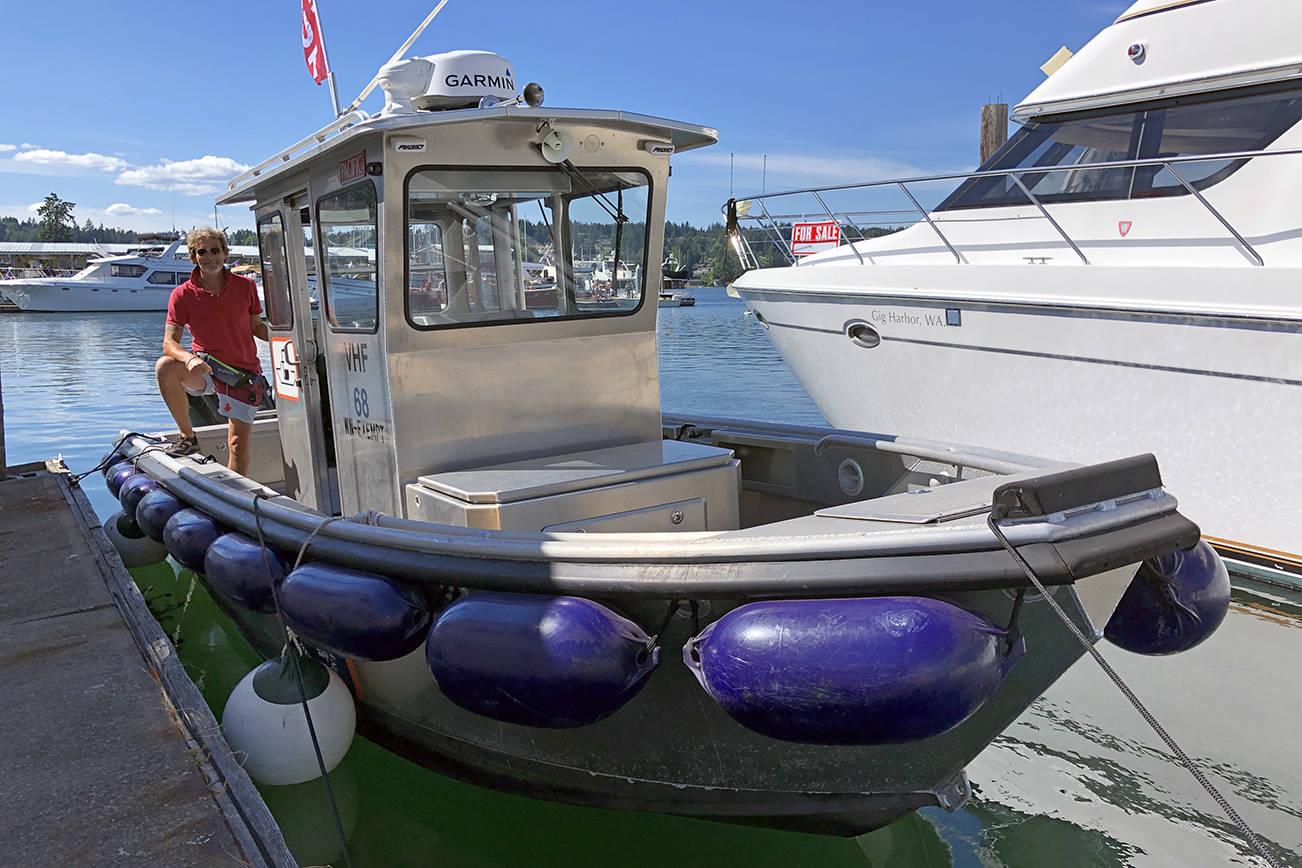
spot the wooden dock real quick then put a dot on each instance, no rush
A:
(108, 753)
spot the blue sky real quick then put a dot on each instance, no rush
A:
(139, 112)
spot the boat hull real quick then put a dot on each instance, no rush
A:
(1213, 397)
(669, 747)
(70, 296)
(672, 751)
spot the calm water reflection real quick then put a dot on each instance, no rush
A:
(1078, 780)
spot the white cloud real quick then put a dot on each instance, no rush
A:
(44, 157)
(20, 212)
(122, 209)
(8, 147)
(204, 175)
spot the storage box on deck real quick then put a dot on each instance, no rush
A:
(664, 485)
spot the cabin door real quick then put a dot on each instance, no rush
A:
(284, 237)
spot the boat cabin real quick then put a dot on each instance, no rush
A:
(440, 351)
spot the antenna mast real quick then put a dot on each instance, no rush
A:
(397, 55)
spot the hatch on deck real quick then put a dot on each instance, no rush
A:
(665, 485)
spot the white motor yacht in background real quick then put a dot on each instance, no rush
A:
(1122, 274)
(139, 281)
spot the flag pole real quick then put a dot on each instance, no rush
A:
(330, 70)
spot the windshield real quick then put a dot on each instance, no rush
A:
(490, 246)
(1243, 122)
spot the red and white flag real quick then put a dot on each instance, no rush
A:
(314, 43)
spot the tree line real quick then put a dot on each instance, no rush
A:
(54, 221)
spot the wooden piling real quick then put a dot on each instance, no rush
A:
(994, 128)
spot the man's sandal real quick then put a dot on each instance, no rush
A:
(182, 446)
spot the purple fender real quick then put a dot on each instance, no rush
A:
(876, 670)
(1172, 603)
(539, 661)
(352, 613)
(155, 509)
(118, 474)
(187, 536)
(238, 568)
(134, 487)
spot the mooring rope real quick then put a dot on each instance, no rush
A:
(75, 479)
(1254, 841)
(288, 638)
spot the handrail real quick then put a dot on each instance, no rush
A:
(1045, 214)
(30, 273)
(1217, 214)
(1028, 170)
(771, 228)
(838, 223)
(932, 223)
(335, 126)
(768, 221)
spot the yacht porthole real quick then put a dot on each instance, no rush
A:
(862, 334)
(850, 477)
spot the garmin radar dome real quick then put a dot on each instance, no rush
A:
(462, 79)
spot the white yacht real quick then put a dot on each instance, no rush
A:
(1121, 274)
(141, 280)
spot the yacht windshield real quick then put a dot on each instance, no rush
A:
(1242, 122)
(489, 246)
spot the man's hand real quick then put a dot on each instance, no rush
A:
(196, 365)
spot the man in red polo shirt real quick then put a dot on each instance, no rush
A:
(222, 311)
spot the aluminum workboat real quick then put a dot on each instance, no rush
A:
(1121, 275)
(469, 507)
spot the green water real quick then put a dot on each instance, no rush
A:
(395, 813)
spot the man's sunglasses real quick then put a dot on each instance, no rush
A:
(204, 251)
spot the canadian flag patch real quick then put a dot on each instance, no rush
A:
(1123, 226)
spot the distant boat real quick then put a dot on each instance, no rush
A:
(673, 282)
(139, 281)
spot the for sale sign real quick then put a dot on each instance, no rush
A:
(807, 238)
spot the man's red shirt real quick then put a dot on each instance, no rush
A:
(219, 324)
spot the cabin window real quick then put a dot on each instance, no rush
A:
(1186, 127)
(346, 225)
(125, 270)
(166, 278)
(275, 271)
(504, 245)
